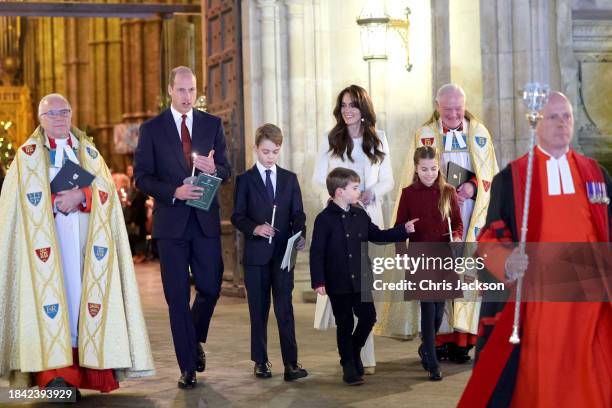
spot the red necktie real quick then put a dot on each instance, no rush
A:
(186, 140)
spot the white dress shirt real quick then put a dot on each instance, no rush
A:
(178, 120)
(262, 172)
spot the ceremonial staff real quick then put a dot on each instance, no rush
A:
(535, 96)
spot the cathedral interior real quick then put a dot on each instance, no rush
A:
(283, 61)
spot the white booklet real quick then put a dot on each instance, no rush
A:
(291, 252)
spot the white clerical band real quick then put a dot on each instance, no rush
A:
(559, 176)
(454, 134)
(61, 148)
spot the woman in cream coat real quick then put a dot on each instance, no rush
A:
(356, 144)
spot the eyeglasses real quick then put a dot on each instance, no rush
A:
(61, 113)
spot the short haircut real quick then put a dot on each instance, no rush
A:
(340, 177)
(269, 132)
(45, 100)
(180, 70)
(448, 89)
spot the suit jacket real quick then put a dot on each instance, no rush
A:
(338, 258)
(160, 167)
(252, 207)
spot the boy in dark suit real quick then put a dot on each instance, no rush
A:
(264, 187)
(339, 263)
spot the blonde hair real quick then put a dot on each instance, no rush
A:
(269, 132)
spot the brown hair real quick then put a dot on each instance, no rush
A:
(180, 70)
(269, 132)
(340, 141)
(446, 190)
(339, 178)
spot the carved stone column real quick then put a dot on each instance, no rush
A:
(77, 70)
(440, 52)
(297, 94)
(516, 49)
(106, 84)
(269, 56)
(141, 69)
(50, 56)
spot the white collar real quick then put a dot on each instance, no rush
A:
(454, 134)
(550, 155)
(73, 139)
(465, 125)
(262, 169)
(178, 116)
(558, 174)
(62, 149)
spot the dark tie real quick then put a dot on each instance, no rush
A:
(186, 140)
(269, 186)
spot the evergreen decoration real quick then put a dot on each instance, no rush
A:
(7, 149)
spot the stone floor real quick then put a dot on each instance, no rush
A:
(228, 381)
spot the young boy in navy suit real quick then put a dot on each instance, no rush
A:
(258, 190)
(339, 265)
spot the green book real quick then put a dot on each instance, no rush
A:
(210, 184)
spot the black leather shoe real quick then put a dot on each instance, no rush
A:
(262, 370)
(457, 354)
(201, 361)
(435, 376)
(294, 371)
(57, 382)
(188, 380)
(442, 352)
(349, 374)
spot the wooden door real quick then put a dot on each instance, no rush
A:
(223, 79)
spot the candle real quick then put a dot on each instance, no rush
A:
(193, 156)
(272, 224)
(450, 230)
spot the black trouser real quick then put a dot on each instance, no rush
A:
(431, 319)
(344, 307)
(202, 255)
(259, 280)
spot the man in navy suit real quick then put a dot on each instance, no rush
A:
(261, 191)
(187, 238)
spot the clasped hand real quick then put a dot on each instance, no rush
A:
(367, 197)
(68, 201)
(464, 192)
(188, 192)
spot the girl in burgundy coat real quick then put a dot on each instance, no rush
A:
(427, 204)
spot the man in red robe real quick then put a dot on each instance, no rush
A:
(564, 358)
